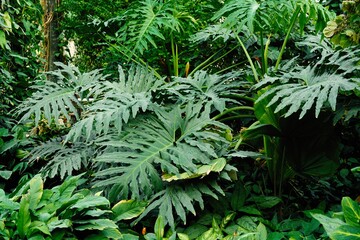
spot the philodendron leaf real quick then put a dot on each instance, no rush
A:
(128, 209)
(35, 191)
(351, 211)
(217, 166)
(24, 220)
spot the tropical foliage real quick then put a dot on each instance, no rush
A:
(219, 120)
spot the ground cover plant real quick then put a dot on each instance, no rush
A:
(211, 120)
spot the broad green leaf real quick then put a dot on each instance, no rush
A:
(250, 210)
(62, 223)
(35, 191)
(6, 203)
(24, 219)
(261, 229)
(329, 224)
(5, 174)
(67, 188)
(112, 233)
(351, 211)
(247, 223)
(7, 19)
(217, 166)
(209, 234)
(36, 226)
(346, 232)
(128, 209)
(94, 224)
(130, 237)
(90, 202)
(2, 39)
(265, 202)
(238, 196)
(275, 236)
(195, 230)
(159, 228)
(183, 236)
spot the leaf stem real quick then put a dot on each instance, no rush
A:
(248, 57)
(232, 110)
(293, 20)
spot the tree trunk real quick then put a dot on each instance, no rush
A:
(51, 34)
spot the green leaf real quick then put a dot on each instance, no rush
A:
(216, 166)
(6, 203)
(183, 236)
(351, 211)
(36, 191)
(174, 140)
(346, 232)
(94, 224)
(250, 210)
(62, 223)
(38, 226)
(3, 41)
(24, 219)
(330, 224)
(67, 188)
(265, 202)
(5, 174)
(261, 229)
(128, 209)
(112, 233)
(238, 196)
(90, 202)
(159, 228)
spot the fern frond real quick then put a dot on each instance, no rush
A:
(63, 97)
(171, 141)
(315, 86)
(121, 101)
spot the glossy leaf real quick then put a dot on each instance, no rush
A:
(351, 211)
(24, 219)
(128, 209)
(35, 192)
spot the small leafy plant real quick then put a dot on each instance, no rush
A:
(61, 212)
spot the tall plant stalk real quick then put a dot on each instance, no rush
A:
(293, 21)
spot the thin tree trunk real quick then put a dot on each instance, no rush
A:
(51, 23)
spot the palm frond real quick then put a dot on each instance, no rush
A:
(121, 100)
(171, 140)
(60, 98)
(313, 86)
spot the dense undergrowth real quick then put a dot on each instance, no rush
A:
(235, 120)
